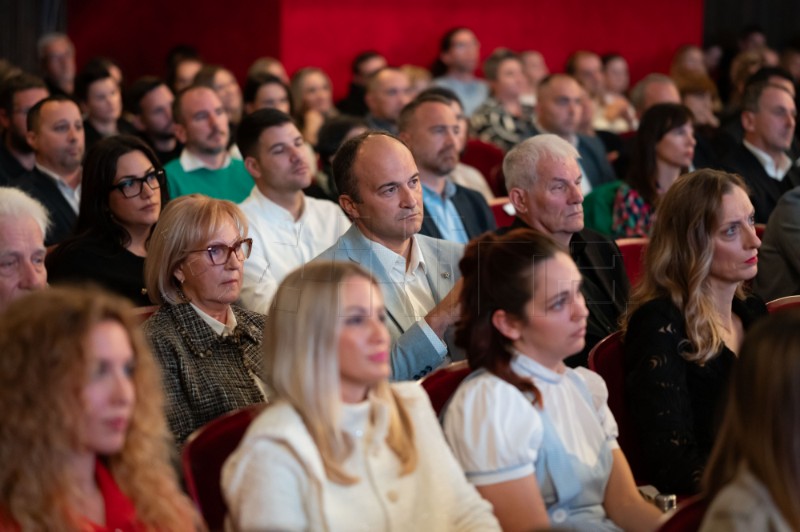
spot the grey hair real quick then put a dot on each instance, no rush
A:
(15, 204)
(45, 41)
(521, 163)
(637, 93)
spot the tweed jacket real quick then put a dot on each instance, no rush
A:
(205, 375)
(412, 354)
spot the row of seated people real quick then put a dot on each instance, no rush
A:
(194, 268)
(340, 448)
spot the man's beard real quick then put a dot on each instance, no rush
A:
(19, 143)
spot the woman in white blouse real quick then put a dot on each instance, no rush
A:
(536, 437)
(340, 448)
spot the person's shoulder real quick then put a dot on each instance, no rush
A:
(592, 237)
(323, 207)
(660, 309)
(744, 504)
(250, 316)
(438, 245)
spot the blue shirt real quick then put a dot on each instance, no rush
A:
(444, 214)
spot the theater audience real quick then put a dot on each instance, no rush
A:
(23, 224)
(753, 475)
(208, 347)
(84, 441)
(312, 101)
(341, 448)
(17, 95)
(100, 99)
(454, 68)
(686, 322)
(662, 150)
(149, 102)
(122, 195)
(536, 437)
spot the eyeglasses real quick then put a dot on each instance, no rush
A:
(132, 186)
(220, 253)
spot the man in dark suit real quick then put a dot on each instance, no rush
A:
(55, 131)
(543, 179)
(768, 119)
(431, 128)
(18, 94)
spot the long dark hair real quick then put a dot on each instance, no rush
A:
(438, 68)
(656, 122)
(99, 171)
(498, 275)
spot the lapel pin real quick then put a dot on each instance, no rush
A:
(446, 275)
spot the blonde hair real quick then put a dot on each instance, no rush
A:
(296, 89)
(761, 427)
(302, 365)
(679, 256)
(43, 371)
(186, 223)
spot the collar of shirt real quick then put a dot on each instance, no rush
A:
(528, 367)
(395, 265)
(572, 139)
(447, 193)
(191, 162)
(273, 211)
(73, 196)
(222, 329)
(369, 418)
(774, 171)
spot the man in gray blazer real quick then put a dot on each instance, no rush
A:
(380, 191)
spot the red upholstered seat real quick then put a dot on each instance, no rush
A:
(442, 383)
(633, 256)
(783, 303)
(204, 454)
(500, 208)
(688, 517)
(487, 158)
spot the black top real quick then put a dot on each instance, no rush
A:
(92, 136)
(10, 169)
(163, 156)
(62, 216)
(605, 285)
(675, 404)
(353, 104)
(103, 261)
(475, 214)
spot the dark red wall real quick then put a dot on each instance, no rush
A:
(328, 33)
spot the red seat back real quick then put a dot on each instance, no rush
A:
(633, 256)
(442, 383)
(500, 208)
(204, 454)
(783, 303)
(607, 359)
(488, 159)
(688, 517)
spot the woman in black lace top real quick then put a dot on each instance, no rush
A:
(686, 322)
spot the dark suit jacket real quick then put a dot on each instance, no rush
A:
(62, 217)
(475, 214)
(594, 161)
(764, 191)
(605, 285)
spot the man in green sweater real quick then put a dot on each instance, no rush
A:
(205, 165)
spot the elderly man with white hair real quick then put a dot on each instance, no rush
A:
(23, 224)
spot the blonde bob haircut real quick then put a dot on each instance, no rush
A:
(44, 368)
(187, 223)
(761, 427)
(302, 365)
(678, 257)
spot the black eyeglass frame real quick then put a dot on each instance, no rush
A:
(159, 180)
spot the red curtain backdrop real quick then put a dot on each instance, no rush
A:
(326, 33)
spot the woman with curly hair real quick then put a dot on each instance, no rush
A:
(83, 442)
(340, 448)
(686, 323)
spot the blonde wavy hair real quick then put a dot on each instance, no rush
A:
(678, 257)
(43, 371)
(761, 427)
(302, 365)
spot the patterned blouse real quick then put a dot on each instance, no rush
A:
(492, 123)
(632, 215)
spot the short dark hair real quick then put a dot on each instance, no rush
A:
(444, 92)
(495, 59)
(18, 83)
(753, 92)
(177, 116)
(407, 113)
(141, 88)
(439, 68)
(92, 73)
(345, 160)
(254, 124)
(333, 132)
(36, 111)
(362, 58)
(255, 81)
(205, 76)
(767, 72)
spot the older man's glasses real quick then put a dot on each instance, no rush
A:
(132, 186)
(221, 253)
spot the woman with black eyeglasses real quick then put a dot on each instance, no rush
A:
(122, 193)
(209, 348)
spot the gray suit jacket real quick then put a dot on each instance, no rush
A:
(412, 355)
(778, 258)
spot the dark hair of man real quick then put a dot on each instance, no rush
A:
(36, 111)
(254, 124)
(253, 83)
(753, 92)
(333, 131)
(444, 92)
(768, 72)
(362, 58)
(656, 122)
(141, 88)
(439, 68)
(177, 115)
(569, 66)
(18, 83)
(408, 112)
(495, 59)
(90, 74)
(345, 160)
(607, 58)
(176, 55)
